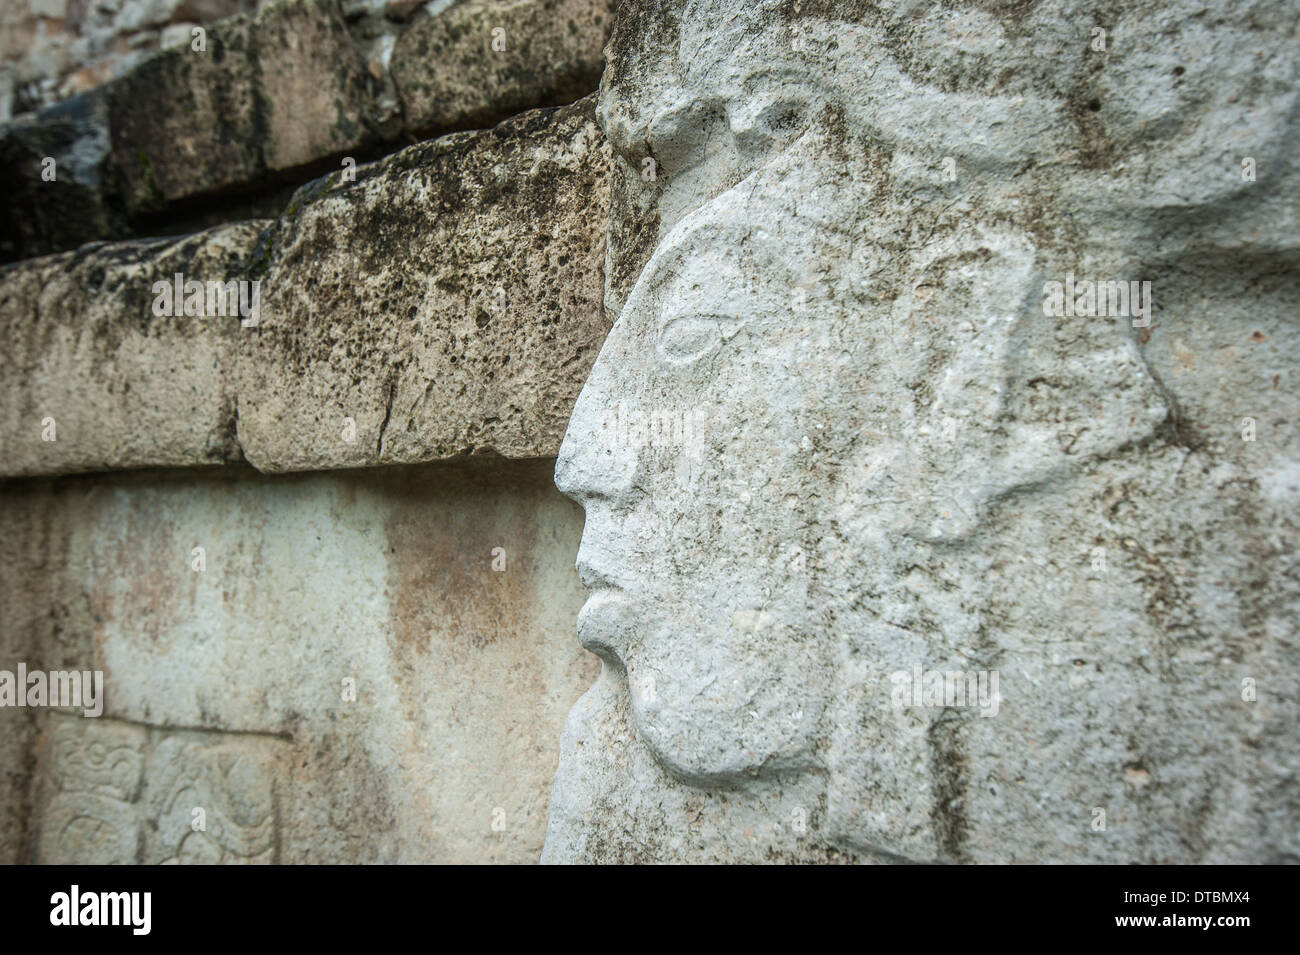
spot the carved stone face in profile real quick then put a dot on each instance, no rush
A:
(702, 445)
(833, 436)
(693, 449)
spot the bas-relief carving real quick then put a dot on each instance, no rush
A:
(91, 770)
(899, 460)
(121, 793)
(233, 781)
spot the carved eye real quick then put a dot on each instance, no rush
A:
(688, 337)
(783, 119)
(764, 121)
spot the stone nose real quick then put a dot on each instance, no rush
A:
(597, 461)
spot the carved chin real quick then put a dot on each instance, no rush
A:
(712, 746)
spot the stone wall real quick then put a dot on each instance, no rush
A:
(225, 686)
(368, 660)
(384, 299)
(54, 49)
(923, 371)
(228, 126)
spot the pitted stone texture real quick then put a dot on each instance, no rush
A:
(496, 58)
(270, 93)
(54, 49)
(447, 302)
(95, 381)
(837, 271)
(279, 97)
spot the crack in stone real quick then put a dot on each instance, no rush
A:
(388, 413)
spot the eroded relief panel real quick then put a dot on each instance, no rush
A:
(841, 243)
(91, 771)
(114, 792)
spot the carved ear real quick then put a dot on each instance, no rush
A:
(998, 396)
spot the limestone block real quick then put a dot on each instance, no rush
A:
(269, 93)
(473, 63)
(446, 302)
(355, 667)
(277, 97)
(95, 380)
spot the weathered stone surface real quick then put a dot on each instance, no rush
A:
(447, 302)
(56, 199)
(278, 97)
(112, 792)
(898, 462)
(52, 50)
(225, 687)
(65, 192)
(270, 93)
(94, 380)
(269, 99)
(46, 623)
(497, 58)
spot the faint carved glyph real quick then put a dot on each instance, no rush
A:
(121, 793)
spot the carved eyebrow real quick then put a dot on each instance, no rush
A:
(702, 316)
(674, 271)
